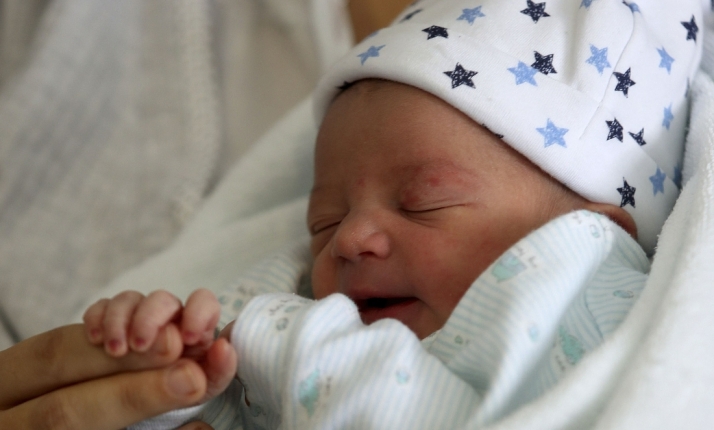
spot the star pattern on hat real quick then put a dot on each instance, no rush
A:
(639, 137)
(586, 3)
(598, 58)
(524, 73)
(553, 135)
(628, 194)
(615, 130)
(436, 31)
(666, 60)
(658, 182)
(373, 51)
(535, 10)
(470, 15)
(544, 63)
(633, 6)
(692, 29)
(668, 117)
(460, 76)
(410, 15)
(624, 82)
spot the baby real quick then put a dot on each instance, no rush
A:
(510, 255)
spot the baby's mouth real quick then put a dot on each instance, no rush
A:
(380, 302)
(377, 308)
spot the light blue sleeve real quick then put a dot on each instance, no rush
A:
(307, 364)
(520, 327)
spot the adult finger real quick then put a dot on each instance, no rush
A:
(117, 318)
(159, 308)
(112, 402)
(63, 356)
(219, 367)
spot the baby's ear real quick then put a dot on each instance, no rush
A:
(616, 214)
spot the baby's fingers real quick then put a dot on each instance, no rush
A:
(200, 317)
(159, 308)
(117, 318)
(93, 321)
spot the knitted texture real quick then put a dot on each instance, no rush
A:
(108, 139)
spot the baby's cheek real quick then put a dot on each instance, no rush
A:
(450, 264)
(324, 280)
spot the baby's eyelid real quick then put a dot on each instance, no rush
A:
(320, 227)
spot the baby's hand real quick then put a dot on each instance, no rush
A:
(131, 321)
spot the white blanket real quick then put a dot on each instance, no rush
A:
(656, 371)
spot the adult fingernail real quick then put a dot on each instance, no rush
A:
(182, 380)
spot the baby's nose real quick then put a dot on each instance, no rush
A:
(359, 236)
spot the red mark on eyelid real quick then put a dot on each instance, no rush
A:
(441, 182)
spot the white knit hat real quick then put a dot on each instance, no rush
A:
(595, 92)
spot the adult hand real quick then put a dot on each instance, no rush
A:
(59, 380)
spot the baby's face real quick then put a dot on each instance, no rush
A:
(413, 201)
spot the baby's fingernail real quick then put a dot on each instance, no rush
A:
(95, 334)
(190, 337)
(182, 381)
(114, 346)
(138, 343)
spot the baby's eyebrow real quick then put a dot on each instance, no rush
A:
(433, 172)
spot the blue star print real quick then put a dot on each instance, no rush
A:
(470, 15)
(535, 10)
(553, 135)
(666, 60)
(692, 29)
(628, 194)
(586, 3)
(373, 51)
(658, 182)
(598, 59)
(524, 73)
(668, 117)
(633, 6)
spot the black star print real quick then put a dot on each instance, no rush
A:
(615, 129)
(535, 10)
(692, 29)
(461, 76)
(345, 85)
(544, 63)
(639, 137)
(624, 82)
(409, 16)
(628, 194)
(436, 31)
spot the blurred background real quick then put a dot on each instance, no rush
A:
(118, 117)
